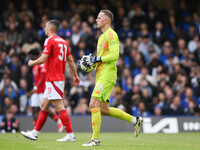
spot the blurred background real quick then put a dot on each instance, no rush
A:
(158, 68)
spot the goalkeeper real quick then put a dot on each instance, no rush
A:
(106, 75)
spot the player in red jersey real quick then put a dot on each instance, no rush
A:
(39, 75)
(55, 54)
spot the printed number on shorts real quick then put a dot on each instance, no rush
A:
(49, 90)
(99, 87)
(63, 53)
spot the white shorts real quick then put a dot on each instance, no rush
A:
(36, 99)
(54, 90)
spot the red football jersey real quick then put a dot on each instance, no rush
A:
(39, 75)
(58, 50)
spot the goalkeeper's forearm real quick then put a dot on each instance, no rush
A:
(110, 57)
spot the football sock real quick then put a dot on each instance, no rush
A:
(71, 135)
(64, 117)
(59, 121)
(34, 123)
(134, 121)
(96, 122)
(35, 132)
(55, 117)
(96, 140)
(118, 113)
(41, 120)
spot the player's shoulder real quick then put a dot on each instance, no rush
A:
(110, 30)
(58, 39)
(48, 40)
(111, 34)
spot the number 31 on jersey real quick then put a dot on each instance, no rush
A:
(63, 52)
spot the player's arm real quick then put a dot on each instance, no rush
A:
(42, 59)
(113, 52)
(72, 66)
(41, 80)
(113, 55)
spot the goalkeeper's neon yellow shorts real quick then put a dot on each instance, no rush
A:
(102, 90)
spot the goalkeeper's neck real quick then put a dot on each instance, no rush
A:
(105, 28)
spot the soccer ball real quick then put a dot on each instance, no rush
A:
(85, 64)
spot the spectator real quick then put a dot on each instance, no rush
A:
(26, 11)
(195, 80)
(67, 105)
(147, 98)
(10, 9)
(82, 107)
(161, 101)
(127, 47)
(23, 96)
(87, 37)
(191, 108)
(76, 36)
(3, 67)
(30, 44)
(168, 96)
(167, 53)
(174, 108)
(141, 110)
(153, 64)
(6, 104)
(26, 74)
(128, 85)
(41, 31)
(12, 36)
(132, 98)
(145, 45)
(9, 123)
(119, 18)
(186, 60)
(192, 45)
(144, 75)
(64, 30)
(56, 13)
(157, 111)
(126, 31)
(181, 46)
(159, 36)
(6, 80)
(27, 31)
(138, 18)
(11, 93)
(186, 98)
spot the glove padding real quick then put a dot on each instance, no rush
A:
(95, 59)
(85, 64)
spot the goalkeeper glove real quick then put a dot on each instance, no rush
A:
(95, 59)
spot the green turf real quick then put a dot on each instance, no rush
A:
(109, 141)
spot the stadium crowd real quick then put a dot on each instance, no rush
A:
(158, 68)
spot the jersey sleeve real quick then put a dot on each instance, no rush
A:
(113, 43)
(47, 47)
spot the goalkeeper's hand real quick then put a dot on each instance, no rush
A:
(95, 59)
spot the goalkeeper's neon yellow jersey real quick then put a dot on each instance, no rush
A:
(108, 49)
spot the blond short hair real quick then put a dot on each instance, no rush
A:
(108, 13)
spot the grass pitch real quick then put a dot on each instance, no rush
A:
(109, 141)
